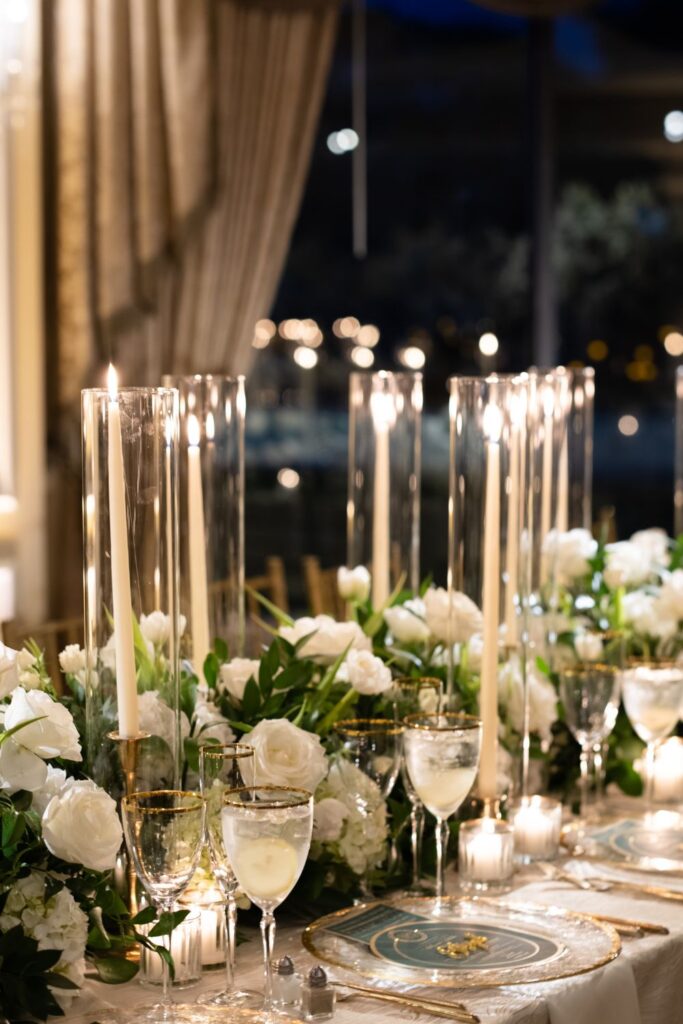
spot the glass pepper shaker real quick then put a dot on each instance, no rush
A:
(286, 984)
(317, 996)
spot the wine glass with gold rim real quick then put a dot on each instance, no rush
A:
(164, 832)
(653, 693)
(442, 758)
(267, 834)
(223, 767)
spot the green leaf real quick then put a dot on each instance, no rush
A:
(56, 980)
(22, 725)
(337, 712)
(251, 699)
(281, 617)
(114, 970)
(376, 620)
(221, 649)
(212, 667)
(144, 916)
(167, 922)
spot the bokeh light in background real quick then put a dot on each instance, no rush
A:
(628, 425)
(488, 344)
(673, 126)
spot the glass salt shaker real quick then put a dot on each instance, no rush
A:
(286, 984)
(317, 996)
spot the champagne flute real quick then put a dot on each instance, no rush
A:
(267, 834)
(409, 696)
(652, 692)
(223, 767)
(164, 832)
(373, 745)
(442, 757)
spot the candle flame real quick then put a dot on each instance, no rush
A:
(548, 401)
(193, 433)
(210, 426)
(493, 422)
(383, 410)
(112, 382)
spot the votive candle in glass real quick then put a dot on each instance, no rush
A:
(486, 853)
(668, 772)
(537, 824)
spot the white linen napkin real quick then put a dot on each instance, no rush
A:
(605, 996)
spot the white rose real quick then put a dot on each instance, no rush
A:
(407, 622)
(9, 675)
(627, 565)
(328, 819)
(474, 651)
(588, 646)
(72, 659)
(465, 617)
(54, 784)
(670, 599)
(329, 639)
(353, 584)
(81, 825)
(157, 718)
(20, 768)
(542, 700)
(285, 755)
(156, 628)
(55, 735)
(571, 552)
(654, 544)
(210, 724)
(235, 674)
(367, 674)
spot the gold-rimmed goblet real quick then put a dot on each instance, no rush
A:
(267, 834)
(373, 746)
(412, 695)
(442, 758)
(652, 692)
(223, 767)
(164, 832)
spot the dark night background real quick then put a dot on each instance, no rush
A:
(450, 171)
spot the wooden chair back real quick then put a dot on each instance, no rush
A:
(321, 589)
(52, 637)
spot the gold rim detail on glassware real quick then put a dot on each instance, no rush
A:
(308, 941)
(226, 751)
(132, 802)
(654, 663)
(586, 667)
(415, 681)
(367, 727)
(268, 805)
(459, 721)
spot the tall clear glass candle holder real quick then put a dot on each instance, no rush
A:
(130, 533)
(678, 473)
(486, 496)
(385, 454)
(577, 464)
(211, 503)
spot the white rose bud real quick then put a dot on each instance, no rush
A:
(588, 646)
(235, 674)
(353, 584)
(72, 659)
(285, 755)
(156, 628)
(81, 826)
(55, 735)
(407, 622)
(328, 819)
(367, 674)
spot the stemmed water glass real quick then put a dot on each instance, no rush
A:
(410, 696)
(267, 834)
(164, 832)
(652, 692)
(373, 745)
(590, 691)
(223, 767)
(442, 757)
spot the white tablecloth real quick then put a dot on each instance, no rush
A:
(655, 963)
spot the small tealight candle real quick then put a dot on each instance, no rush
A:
(668, 781)
(537, 824)
(185, 950)
(485, 849)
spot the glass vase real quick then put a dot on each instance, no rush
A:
(575, 502)
(130, 527)
(211, 504)
(383, 509)
(678, 480)
(486, 501)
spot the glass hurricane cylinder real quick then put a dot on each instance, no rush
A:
(486, 496)
(130, 531)
(678, 477)
(383, 509)
(211, 503)
(576, 458)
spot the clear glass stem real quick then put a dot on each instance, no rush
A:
(230, 929)
(268, 937)
(441, 850)
(417, 824)
(650, 758)
(598, 760)
(584, 784)
(166, 1001)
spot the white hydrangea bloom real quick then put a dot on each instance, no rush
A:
(362, 840)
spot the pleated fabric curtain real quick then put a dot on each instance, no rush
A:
(178, 140)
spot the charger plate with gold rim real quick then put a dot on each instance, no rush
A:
(650, 842)
(461, 942)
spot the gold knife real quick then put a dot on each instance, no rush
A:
(637, 926)
(447, 1010)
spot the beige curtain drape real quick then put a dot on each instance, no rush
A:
(178, 142)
